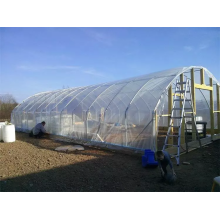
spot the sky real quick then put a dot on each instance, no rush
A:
(34, 60)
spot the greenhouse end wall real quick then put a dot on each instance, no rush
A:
(118, 113)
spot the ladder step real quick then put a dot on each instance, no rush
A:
(174, 126)
(182, 100)
(171, 145)
(186, 116)
(181, 91)
(180, 108)
(173, 135)
(177, 109)
(181, 83)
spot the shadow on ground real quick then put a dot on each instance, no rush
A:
(94, 175)
(116, 172)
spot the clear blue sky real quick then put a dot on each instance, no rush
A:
(42, 59)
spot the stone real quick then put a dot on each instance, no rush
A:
(69, 148)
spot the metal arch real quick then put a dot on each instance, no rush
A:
(144, 127)
(31, 102)
(110, 103)
(210, 74)
(177, 75)
(35, 96)
(123, 101)
(72, 91)
(47, 97)
(208, 104)
(62, 92)
(99, 96)
(45, 101)
(39, 98)
(55, 93)
(126, 125)
(18, 110)
(183, 71)
(28, 98)
(41, 103)
(137, 94)
(142, 131)
(83, 89)
(86, 97)
(72, 100)
(119, 108)
(15, 109)
(94, 102)
(36, 101)
(79, 102)
(146, 106)
(104, 100)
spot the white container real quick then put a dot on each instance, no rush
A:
(199, 127)
(9, 133)
(2, 124)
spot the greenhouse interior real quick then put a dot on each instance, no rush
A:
(133, 114)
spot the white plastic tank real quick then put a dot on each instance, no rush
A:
(9, 133)
(199, 127)
(2, 124)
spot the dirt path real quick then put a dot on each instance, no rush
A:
(32, 165)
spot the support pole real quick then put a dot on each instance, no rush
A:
(211, 108)
(218, 106)
(193, 101)
(170, 105)
(154, 116)
(183, 121)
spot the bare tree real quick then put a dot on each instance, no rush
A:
(7, 104)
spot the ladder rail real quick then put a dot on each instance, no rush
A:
(171, 120)
(182, 113)
(183, 88)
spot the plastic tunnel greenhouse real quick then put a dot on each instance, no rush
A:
(127, 114)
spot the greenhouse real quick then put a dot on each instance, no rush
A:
(134, 113)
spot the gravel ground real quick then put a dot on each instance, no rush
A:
(33, 165)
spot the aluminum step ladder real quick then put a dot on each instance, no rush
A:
(182, 96)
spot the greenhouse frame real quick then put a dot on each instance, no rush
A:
(128, 114)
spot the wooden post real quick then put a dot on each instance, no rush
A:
(183, 121)
(218, 106)
(193, 101)
(202, 79)
(170, 106)
(211, 108)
